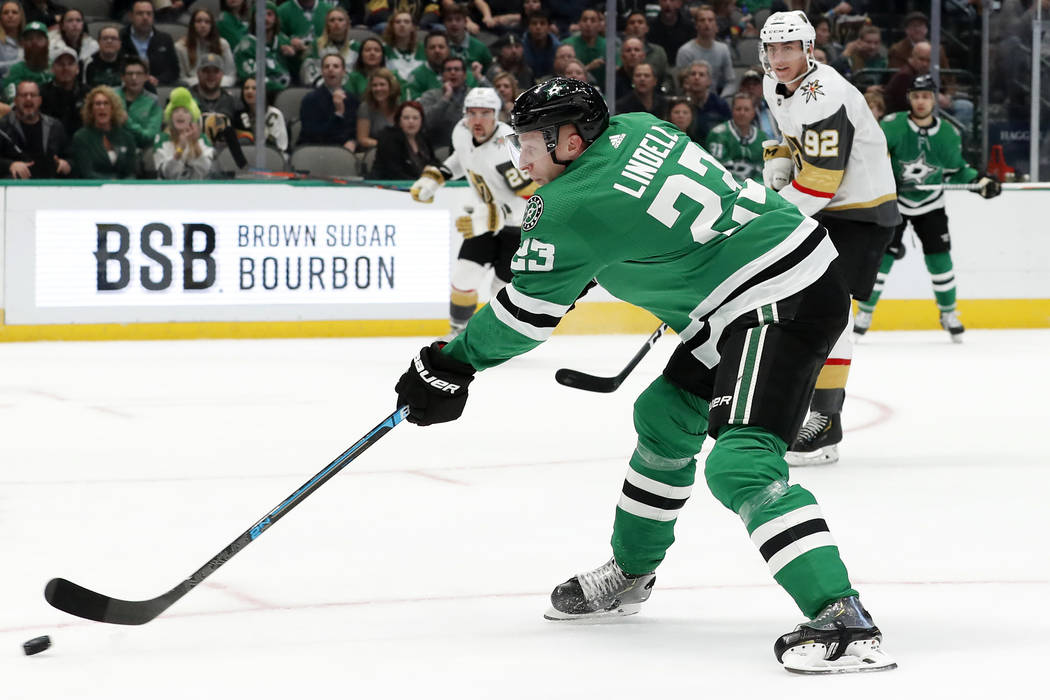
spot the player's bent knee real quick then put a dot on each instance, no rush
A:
(467, 275)
(671, 424)
(745, 461)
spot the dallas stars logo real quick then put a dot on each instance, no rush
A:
(555, 90)
(917, 171)
(533, 209)
(811, 90)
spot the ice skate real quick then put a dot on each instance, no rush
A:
(861, 323)
(951, 323)
(605, 592)
(817, 441)
(841, 639)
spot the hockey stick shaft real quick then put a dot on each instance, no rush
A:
(974, 187)
(605, 385)
(77, 600)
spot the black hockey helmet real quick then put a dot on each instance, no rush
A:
(558, 101)
(924, 82)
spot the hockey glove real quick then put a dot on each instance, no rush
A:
(989, 186)
(427, 185)
(778, 168)
(435, 387)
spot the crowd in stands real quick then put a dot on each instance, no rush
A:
(159, 88)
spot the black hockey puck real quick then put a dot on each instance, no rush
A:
(37, 645)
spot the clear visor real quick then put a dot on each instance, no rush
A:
(526, 149)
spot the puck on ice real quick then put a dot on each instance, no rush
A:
(36, 645)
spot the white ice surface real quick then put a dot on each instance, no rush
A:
(423, 570)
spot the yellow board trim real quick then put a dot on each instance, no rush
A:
(589, 318)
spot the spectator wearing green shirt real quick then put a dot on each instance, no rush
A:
(234, 20)
(35, 66)
(737, 143)
(638, 27)
(590, 45)
(428, 75)
(334, 39)
(104, 67)
(303, 22)
(403, 49)
(460, 43)
(143, 109)
(864, 52)
(370, 59)
(278, 53)
(103, 149)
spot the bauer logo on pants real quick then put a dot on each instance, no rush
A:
(533, 209)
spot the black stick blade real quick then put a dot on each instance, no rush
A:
(587, 382)
(77, 600)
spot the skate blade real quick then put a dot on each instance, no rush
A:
(621, 611)
(956, 337)
(860, 657)
(824, 455)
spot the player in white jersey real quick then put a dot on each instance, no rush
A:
(834, 166)
(492, 227)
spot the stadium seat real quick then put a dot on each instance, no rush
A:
(177, 31)
(93, 9)
(163, 92)
(331, 161)
(212, 5)
(95, 26)
(224, 163)
(746, 53)
(287, 101)
(360, 34)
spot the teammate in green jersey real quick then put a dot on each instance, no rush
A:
(925, 150)
(751, 287)
(737, 143)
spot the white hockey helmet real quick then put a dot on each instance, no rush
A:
(483, 98)
(787, 26)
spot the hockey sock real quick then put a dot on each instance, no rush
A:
(880, 282)
(462, 306)
(942, 274)
(746, 471)
(671, 425)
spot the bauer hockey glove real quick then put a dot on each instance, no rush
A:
(989, 186)
(427, 185)
(778, 168)
(435, 387)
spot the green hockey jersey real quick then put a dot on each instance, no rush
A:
(660, 224)
(741, 154)
(924, 156)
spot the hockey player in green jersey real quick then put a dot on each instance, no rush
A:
(752, 289)
(737, 143)
(925, 150)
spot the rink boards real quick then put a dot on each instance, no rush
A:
(168, 260)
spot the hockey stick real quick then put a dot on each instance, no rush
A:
(77, 600)
(973, 187)
(289, 175)
(605, 385)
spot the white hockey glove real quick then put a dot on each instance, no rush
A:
(778, 168)
(485, 218)
(989, 186)
(427, 185)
